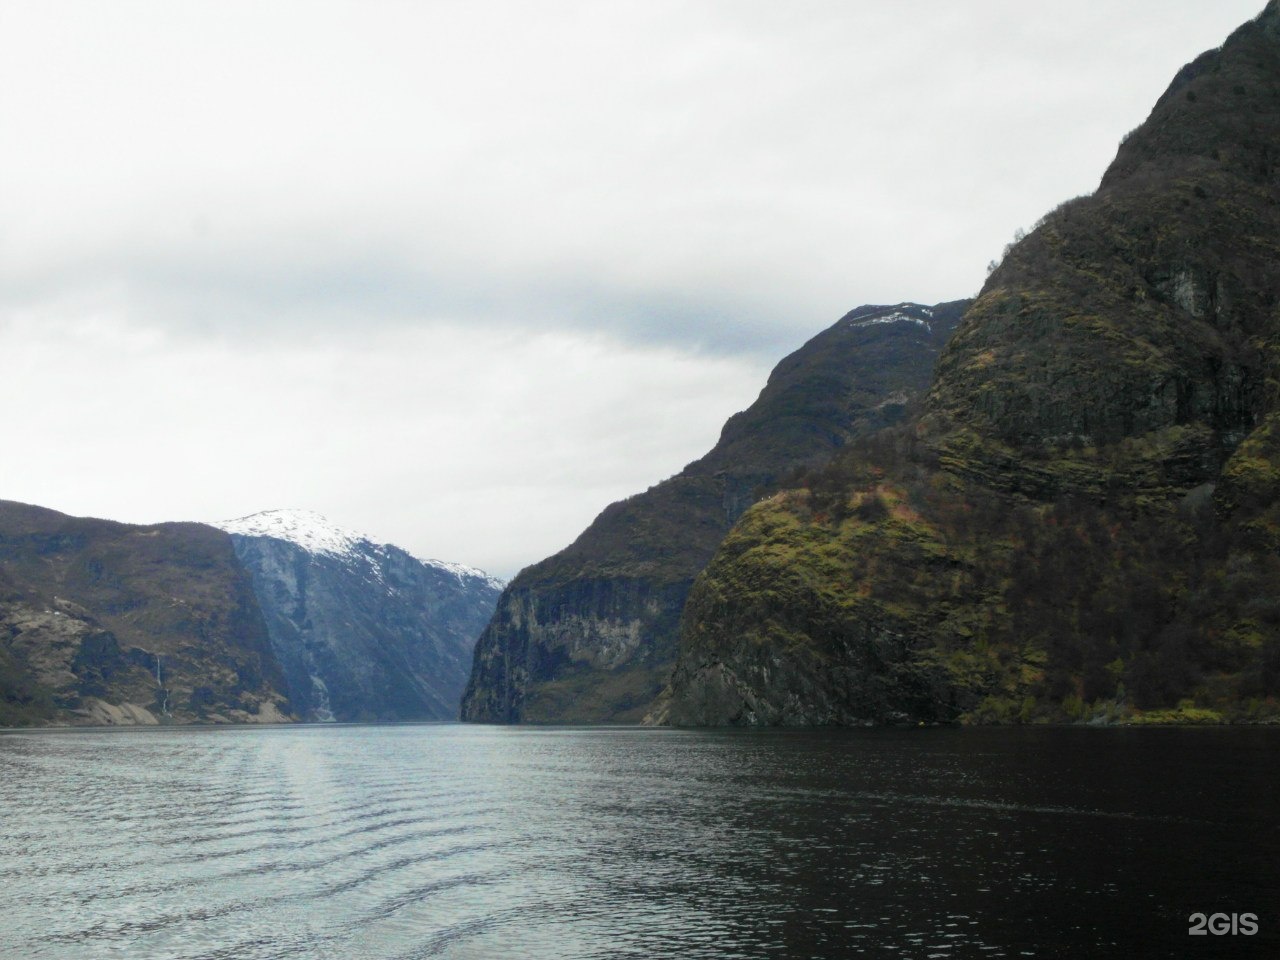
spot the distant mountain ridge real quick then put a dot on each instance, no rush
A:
(363, 631)
(314, 533)
(590, 634)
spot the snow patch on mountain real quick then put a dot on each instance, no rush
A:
(462, 571)
(316, 534)
(896, 316)
(307, 529)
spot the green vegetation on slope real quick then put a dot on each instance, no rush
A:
(883, 589)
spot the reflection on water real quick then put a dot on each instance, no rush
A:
(480, 842)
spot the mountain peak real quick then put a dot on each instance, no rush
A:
(306, 528)
(317, 534)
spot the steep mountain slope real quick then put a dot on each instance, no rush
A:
(105, 622)
(590, 634)
(363, 631)
(1084, 520)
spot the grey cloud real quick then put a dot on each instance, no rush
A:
(460, 273)
(727, 175)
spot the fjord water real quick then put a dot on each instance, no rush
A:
(483, 842)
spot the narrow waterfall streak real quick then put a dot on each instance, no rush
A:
(164, 704)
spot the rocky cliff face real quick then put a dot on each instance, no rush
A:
(1083, 521)
(362, 631)
(105, 622)
(590, 634)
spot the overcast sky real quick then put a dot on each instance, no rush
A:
(459, 274)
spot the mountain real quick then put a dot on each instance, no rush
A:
(590, 634)
(278, 616)
(362, 631)
(105, 622)
(1083, 520)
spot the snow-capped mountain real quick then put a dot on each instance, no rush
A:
(317, 534)
(305, 528)
(363, 630)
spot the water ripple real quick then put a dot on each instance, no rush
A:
(407, 842)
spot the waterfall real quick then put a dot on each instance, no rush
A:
(164, 704)
(320, 708)
(320, 698)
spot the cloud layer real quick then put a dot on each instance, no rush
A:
(397, 260)
(456, 444)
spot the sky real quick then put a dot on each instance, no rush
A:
(460, 274)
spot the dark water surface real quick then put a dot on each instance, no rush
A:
(480, 842)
